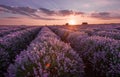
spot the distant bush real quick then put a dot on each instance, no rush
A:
(84, 23)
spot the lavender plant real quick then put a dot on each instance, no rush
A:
(62, 33)
(15, 41)
(10, 43)
(4, 61)
(74, 38)
(102, 54)
(9, 30)
(47, 56)
(113, 35)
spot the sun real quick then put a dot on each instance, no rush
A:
(72, 22)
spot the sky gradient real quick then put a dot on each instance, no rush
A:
(52, 12)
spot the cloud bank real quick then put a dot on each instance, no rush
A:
(60, 12)
(38, 13)
(105, 15)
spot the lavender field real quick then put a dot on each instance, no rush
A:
(60, 51)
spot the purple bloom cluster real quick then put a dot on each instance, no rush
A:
(7, 30)
(101, 55)
(74, 38)
(12, 44)
(96, 51)
(4, 61)
(47, 56)
(110, 34)
(62, 33)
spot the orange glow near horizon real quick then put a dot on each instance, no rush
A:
(72, 22)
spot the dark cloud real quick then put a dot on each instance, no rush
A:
(105, 15)
(66, 12)
(19, 10)
(3, 10)
(41, 18)
(30, 12)
(47, 11)
(69, 12)
(12, 17)
(26, 11)
(60, 12)
(44, 18)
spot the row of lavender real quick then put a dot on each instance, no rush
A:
(10, 29)
(5, 27)
(101, 55)
(47, 56)
(111, 31)
(12, 44)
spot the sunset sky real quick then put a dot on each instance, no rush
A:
(51, 12)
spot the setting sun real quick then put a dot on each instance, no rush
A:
(72, 22)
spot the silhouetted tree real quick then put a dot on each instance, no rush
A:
(67, 24)
(84, 23)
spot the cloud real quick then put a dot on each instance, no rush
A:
(69, 12)
(59, 12)
(105, 15)
(3, 10)
(36, 13)
(19, 10)
(37, 18)
(26, 11)
(44, 18)
(31, 12)
(12, 17)
(47, 11)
